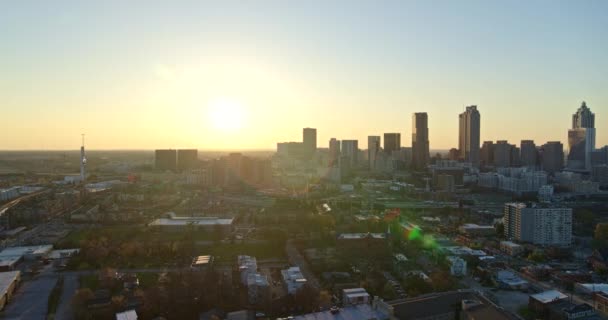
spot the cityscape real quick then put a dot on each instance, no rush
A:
(186, 195)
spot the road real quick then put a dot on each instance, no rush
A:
(296, 258)
(70, 285)
(30, 301)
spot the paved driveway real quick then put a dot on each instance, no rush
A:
(30, 301)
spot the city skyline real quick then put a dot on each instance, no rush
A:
(234, 77)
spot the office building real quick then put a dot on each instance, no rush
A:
(187, 159)
(581, 139)
(290, 149)
(487, 154)
(350, 153)
(503, 153)
(392, 142)
(373, 148)
(165, 160)
(528, 154)
(600, 175)
(552, 157)
(469, 135)
(583, 118)
(420, 140)
(309, 141)
(581, 142)
(545, 226)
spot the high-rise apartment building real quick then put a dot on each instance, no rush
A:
(469, 135)
(581, 139)
(373, 148)
(309, 141)
(552, 157)
(503, 154)
(545, 226)
(165, 159)
(334, 152)
(528, 153)
(350, 152)
(487, 154)
(392, 142)
(420, 140)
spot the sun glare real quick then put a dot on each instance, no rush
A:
(226, 114)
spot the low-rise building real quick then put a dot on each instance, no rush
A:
(27, 252)
(476, 230)
(458, 266)
(361, 241)
(202, 263)
(508, 280)
(208, 224)
(8, 282)
(355, 296)
(540, 303)
(258, 289)
(293, 279)
(127, 315)
(511, 248)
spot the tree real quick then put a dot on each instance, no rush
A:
(389, 292)
(600, 236)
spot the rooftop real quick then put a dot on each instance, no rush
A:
(20, 251)
(201, 261)
(182, 221)
(349, 236)
(548, 296)
(6, 279)
(356, 312)
(127, 315)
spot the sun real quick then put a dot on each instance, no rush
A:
(226, 114)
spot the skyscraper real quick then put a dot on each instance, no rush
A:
(334, 151)
(581, 139)
(165, 159)
(469, 137)
(583, 118)
(502, 154)
(373, 147)
(83, 162)
(187, 159)
(487, 153)
(552, 157)
(392, 142)
(350, 152)
(420, 140)
(529, 154)
(309, 139)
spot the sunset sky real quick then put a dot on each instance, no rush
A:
(248, 74)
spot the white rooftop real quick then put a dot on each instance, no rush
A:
(549, 296)
(127, 315)
(510, 244)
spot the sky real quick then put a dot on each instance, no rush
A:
(247, 74)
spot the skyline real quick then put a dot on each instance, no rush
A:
(170, 75)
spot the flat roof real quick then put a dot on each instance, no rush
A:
(6, 279)
(202, 260)
(356, 312)
(20, 251)
(510, 244)
(183, 221)
(127, 315)
(549, 296)
(348, 236)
